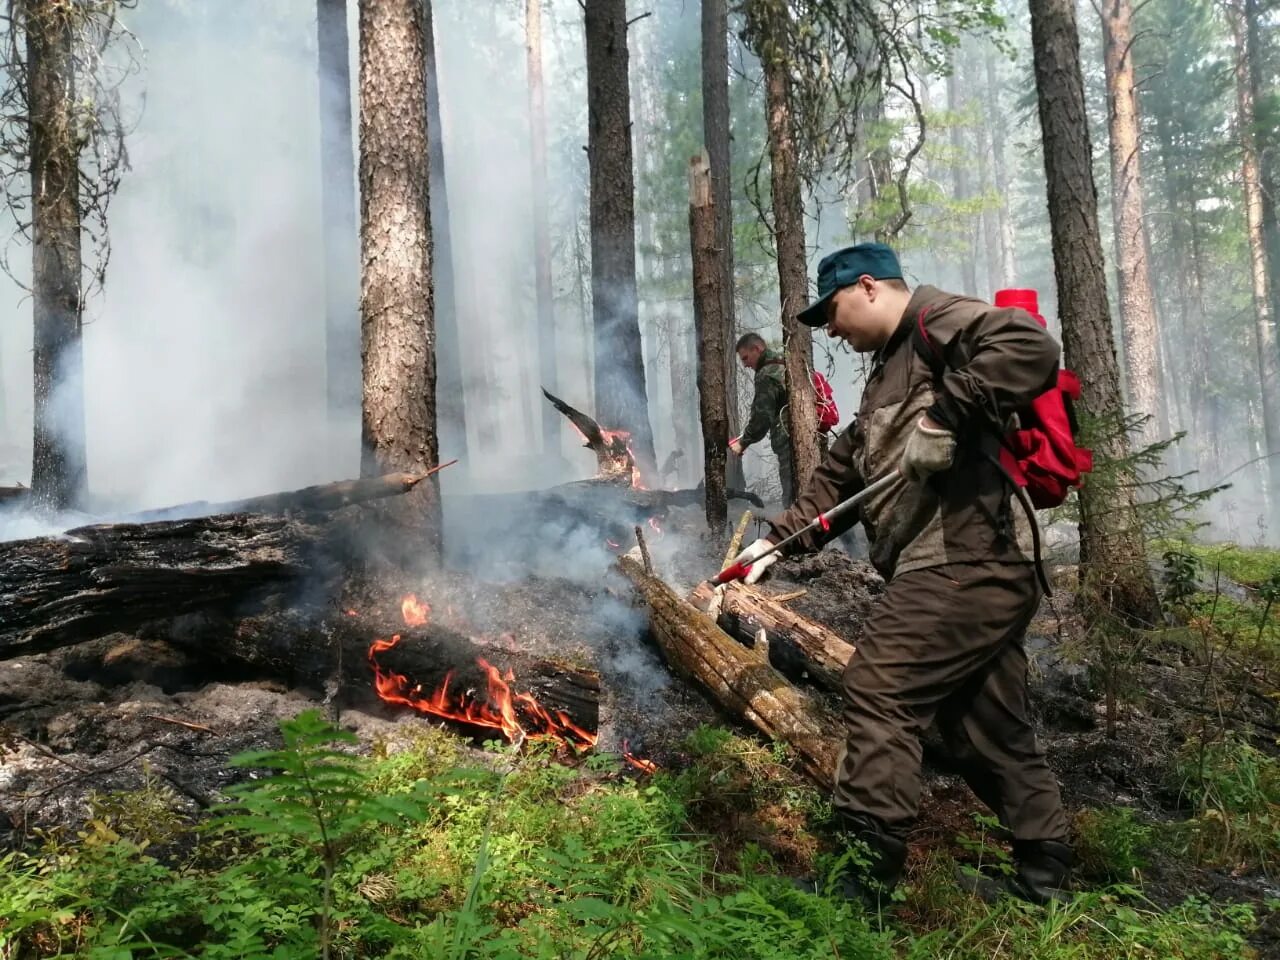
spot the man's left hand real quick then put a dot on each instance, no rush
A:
(930, 448)
(736, 446)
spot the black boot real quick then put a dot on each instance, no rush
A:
(1042, 870)
(875, 865)
(1040, 874)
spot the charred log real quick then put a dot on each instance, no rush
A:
(93, 580)
(331, 653)
(739, 679)
(796, 645)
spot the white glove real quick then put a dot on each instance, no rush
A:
(929, 449)
(752, 556)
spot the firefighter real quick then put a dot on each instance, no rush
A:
(945, 644)
(768, 407)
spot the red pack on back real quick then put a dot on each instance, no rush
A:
(1041, 454)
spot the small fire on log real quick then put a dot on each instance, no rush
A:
(519, 716)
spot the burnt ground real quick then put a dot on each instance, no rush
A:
(107, 715)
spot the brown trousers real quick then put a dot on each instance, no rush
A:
(946, 643)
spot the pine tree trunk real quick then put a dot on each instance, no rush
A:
(1137, 301)
(1268, 145)
(58, 469)
(960, 181)
(984, 153)
(1264, 319)
(709, 320)
(767, 25)
(450, 396)
(999, 128)
(341, 233)
(397, 326)
(541, 223)
(1112, 548)
(715, 125)
(621, 397)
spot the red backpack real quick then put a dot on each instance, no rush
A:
(828, 412)
(1040, 456)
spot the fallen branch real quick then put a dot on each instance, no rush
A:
(738, 678)
(797, 644)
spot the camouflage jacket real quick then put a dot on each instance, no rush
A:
(1000, 360)
(768, 406)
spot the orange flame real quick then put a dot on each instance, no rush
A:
(518, 716)
(414, 611)
(644, 766)
(653, 522)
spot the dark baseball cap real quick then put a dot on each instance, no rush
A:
(843, 268)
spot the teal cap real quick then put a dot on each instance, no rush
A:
(843, 268)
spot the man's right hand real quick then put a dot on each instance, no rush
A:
(736, 446)
(752, 556)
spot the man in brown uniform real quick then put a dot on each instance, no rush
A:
(946, 642)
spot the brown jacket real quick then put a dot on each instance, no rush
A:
(999, 359)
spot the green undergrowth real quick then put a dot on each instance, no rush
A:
(426, 852)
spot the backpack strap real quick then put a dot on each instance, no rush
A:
(928, 351)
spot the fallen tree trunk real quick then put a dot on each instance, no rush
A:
(93, 580)
(332, 654)
(738, 678)
(796, 644)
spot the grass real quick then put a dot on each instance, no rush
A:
(418, 851)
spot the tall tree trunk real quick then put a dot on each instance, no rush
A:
(960, 180)
(984, 153)
(1137, 301)
(58, 469)
(715, 125)
(341, 233)
(397, 327)
(709, 321)
(621, 397)
(541, 223)
(450, 396)
(999, 127)
(1267, 140)
(767, 26)
(1264, 319)
(1112, 548)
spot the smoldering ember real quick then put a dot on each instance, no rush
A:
(583, 479)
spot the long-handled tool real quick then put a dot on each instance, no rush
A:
(736, 571)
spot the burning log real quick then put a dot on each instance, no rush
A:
(738, 678)
(362, 659)
(796, 644)
(614, 459)
(93, 580)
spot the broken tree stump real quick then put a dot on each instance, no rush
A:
(795, 643)
(738, 678)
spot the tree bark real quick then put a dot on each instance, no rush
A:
(1264, 319)
(450, 394)
(58, 467)
(795, 644)
(1138, 319)
(715, 126)
(620, 395)
(738, 679)
(1112, 547)
(541, 221)
(338, 211)
(767, 25)
(709, 320)
(397, 326)
(1268, 145)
